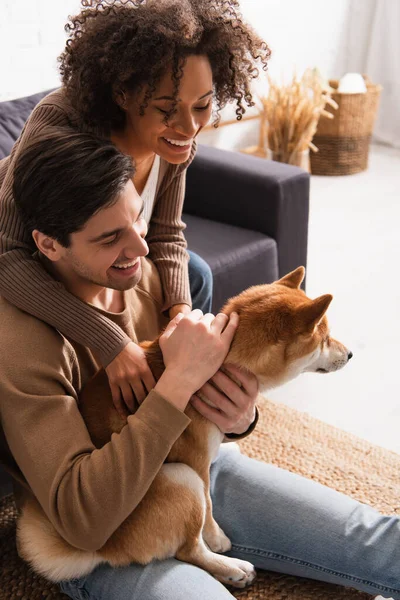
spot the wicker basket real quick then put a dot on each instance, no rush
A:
(343, 141)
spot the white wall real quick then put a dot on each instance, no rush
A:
(301, 34)
(31, 37)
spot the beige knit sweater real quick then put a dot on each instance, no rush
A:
(25, 283)
(86, 492)
(44, 443)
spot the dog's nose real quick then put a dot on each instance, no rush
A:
(350, 355)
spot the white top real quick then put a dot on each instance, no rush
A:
(149, 192)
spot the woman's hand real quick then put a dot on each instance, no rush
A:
(194, 346)
(235, 404)
(179, 308)
(129, 376)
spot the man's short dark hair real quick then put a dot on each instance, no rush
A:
(63, 178)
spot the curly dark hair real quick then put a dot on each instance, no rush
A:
(128, 44)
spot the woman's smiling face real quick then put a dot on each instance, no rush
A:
(149, 134)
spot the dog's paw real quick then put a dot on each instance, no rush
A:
(241, 573)
(217, 541)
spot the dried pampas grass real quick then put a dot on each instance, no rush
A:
(290, 114)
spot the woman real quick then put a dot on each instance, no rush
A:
(144, 75)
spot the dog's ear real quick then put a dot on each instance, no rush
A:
(311, 313)
(294, 279)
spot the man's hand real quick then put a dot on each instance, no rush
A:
(129, 375)
(194, 346)
(235, 404)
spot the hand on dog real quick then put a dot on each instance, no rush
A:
(194, 346)
(129, 376)
(234, 401)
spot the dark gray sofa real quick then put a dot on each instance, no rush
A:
(247, 217)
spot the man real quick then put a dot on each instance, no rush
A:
(75, 194)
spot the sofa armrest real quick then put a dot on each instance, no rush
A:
(253, 193)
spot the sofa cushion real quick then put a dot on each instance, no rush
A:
(13, 115)
(238, 257)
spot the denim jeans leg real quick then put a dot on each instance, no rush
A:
(286, 523)
(160, 580)
(201, 283)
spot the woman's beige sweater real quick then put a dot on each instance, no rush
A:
(25, 283)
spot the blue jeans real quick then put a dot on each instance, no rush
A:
(201, 282)
(280, 522)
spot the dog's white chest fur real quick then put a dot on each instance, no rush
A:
(215, 438)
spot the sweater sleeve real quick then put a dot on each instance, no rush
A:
(85, 492)
(167, 244)
(23, 280)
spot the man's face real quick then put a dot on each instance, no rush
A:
(107, 251)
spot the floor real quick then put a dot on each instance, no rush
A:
(354, 254)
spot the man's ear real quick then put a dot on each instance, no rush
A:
(48, 246)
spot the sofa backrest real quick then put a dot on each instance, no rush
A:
(13, 115)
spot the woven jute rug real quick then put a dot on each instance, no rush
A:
(288, 439)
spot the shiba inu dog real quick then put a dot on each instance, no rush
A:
(281, 333)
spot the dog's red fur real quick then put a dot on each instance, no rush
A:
(281, 333)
